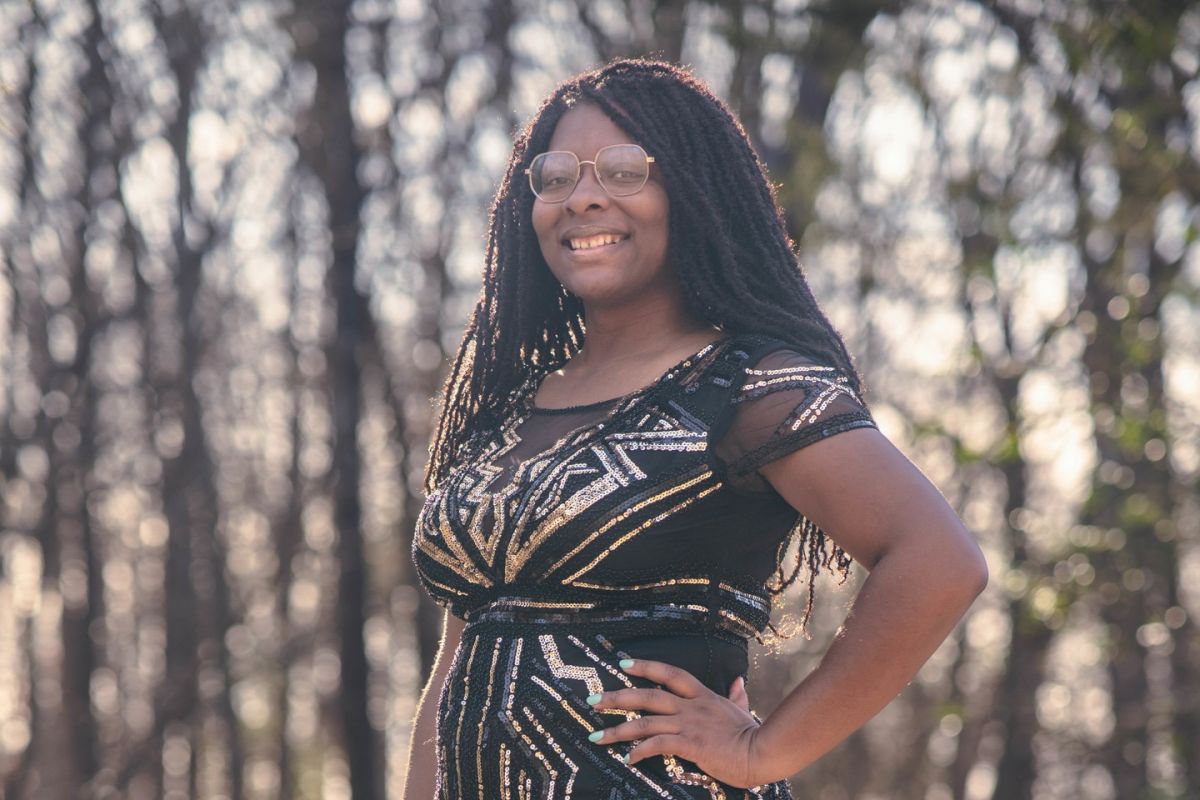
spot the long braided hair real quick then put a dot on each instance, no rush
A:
(727, 243)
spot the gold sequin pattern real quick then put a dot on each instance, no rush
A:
(622, 530)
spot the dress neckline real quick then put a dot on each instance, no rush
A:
(669, 373)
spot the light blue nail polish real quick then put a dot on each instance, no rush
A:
(625, 758)
(594, 736)
(626, 663)
(592, 699)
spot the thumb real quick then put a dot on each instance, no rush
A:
(737, 693)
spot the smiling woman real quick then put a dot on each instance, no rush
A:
(647, 409)
(603, 246)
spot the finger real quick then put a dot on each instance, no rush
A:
(678, 680)
(655, 700)
(663, 744)
(638, 728)
(737, 693)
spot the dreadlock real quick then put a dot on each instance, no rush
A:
(727, 242)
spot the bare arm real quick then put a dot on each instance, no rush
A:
(925, 570)
(421, 780)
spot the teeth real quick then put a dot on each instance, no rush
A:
(594, 241)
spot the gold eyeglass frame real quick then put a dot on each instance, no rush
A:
(579, 171)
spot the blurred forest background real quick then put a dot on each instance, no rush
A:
(239, 239)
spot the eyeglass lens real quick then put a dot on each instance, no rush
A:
(622, 170)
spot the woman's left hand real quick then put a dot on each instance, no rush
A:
(690, 721)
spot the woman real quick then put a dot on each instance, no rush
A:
(609, 502)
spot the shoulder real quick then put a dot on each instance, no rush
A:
(769, 365)
(752, 348)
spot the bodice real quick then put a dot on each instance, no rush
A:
(602, 512)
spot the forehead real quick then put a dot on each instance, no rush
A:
(585, 129)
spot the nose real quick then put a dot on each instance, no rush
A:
(587, 192)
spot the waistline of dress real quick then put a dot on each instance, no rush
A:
(513, 615)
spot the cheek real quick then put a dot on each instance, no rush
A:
(657, 218)
(542, 217)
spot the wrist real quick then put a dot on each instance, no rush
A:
(769, 754)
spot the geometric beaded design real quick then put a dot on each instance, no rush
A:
(624, 533)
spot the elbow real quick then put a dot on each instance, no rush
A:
(949, 558)
(980, 576)
(973, 569)
(962, 567)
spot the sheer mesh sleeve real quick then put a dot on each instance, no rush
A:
(786, 401)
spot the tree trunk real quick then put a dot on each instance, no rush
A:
(329, 148)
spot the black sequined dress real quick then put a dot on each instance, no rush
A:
(635, 527)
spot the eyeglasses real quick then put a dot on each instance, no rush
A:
(621, 169)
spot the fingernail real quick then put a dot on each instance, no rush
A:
(625, 758)
(626, 663)
(592, 699)
(594, 736)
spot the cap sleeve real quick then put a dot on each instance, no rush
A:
(786, 401)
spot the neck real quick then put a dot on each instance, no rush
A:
(640, 328)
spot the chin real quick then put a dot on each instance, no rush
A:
(586, 281)
(608, 294)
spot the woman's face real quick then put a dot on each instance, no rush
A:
(611, 273)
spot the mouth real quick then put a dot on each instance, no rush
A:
(598, 243)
